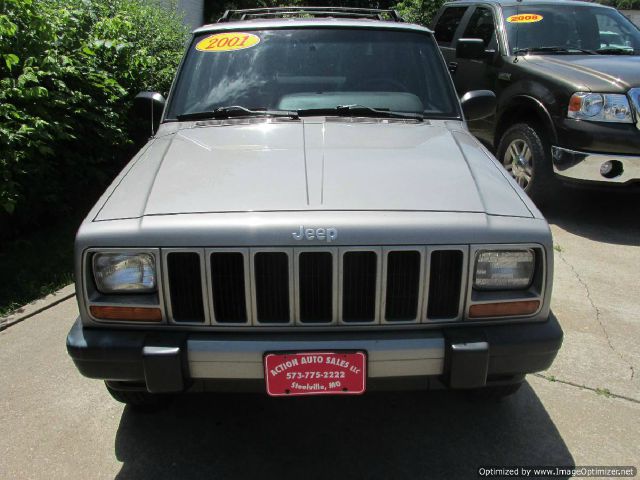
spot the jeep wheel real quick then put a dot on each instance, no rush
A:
(494, 393)
(524, 154)
(138, 400)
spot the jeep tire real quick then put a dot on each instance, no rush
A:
(494, 393)
(138, 400)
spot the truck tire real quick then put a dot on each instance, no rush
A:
(138, 400)
(526, 156)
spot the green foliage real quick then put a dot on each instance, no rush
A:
(68, 72)
(625, 4)
(216, 9)
(419, 11)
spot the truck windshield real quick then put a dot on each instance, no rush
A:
(558, 29)
(365, 71)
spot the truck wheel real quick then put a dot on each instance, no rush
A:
(525, 156)
(138, 400)
(494, 393)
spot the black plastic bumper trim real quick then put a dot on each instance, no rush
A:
(469, 365)
(117, 355)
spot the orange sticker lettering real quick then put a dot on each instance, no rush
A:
(525, 18)
(227, 42)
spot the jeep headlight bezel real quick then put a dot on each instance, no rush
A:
(117, 272)
(504, 269)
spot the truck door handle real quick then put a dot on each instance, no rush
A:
(453, 67)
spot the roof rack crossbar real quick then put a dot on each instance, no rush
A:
(251, 16)
(252, 13)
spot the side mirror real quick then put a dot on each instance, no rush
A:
(478, 104)
(470, 48)
(148, 106)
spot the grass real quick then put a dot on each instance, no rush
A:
(558, 248)
(36, 265)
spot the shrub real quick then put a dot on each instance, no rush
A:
(419, 11)
(214, 10)
(68, 72)
(626, 4)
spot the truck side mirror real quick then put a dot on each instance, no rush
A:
(470, 48)
(148, 106)
(478, 104)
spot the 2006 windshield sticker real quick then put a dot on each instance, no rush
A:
(525, 18)
(227, 42)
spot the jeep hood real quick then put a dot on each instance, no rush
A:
(312, 164)
(605, 73)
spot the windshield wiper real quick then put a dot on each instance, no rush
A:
(236, 111)
(518, 51)
(360, 110)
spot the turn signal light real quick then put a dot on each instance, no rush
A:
(128, 314)
(504, 309)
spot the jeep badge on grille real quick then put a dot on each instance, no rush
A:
(323, 234)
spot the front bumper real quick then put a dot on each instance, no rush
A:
(595, 167)
(458, 357)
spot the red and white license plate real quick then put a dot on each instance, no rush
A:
(315, 373)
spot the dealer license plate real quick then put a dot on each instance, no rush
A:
(315, 373)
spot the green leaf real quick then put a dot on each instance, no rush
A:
(27, 77)
(43, 149)
(7, 27)
(9, 206)
(10, 60)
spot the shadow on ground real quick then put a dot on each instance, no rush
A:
(378, 436)
(603, 216)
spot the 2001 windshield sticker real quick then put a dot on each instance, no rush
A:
(525, 18)
(227, 42)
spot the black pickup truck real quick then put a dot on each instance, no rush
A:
(567, 78)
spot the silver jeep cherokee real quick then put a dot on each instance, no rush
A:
(311, 216)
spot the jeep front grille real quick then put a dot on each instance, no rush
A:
(315, 280)
(444, 294)
(359, 286)
(403, 285)
(185, 288)
(314, 286)
(228, 287)
(271, 277)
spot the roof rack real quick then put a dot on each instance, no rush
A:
(323, 12)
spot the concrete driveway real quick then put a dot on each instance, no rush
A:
(584, 411)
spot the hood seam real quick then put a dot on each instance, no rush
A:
(304, 155)
(471, 172)
(155, 177)
(500, 170)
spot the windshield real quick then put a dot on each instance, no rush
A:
(571, 29)
(314, 70)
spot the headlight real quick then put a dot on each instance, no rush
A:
(600, 107)
(124, 272)
(504, 269)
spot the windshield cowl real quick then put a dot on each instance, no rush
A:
(360, 111)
